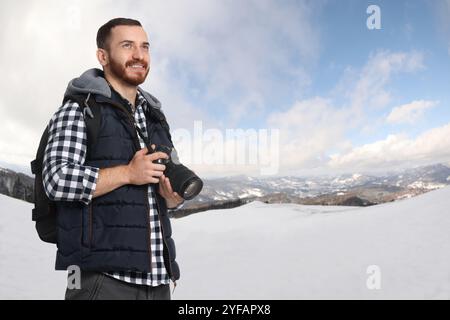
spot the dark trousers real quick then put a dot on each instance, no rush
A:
(98, 286)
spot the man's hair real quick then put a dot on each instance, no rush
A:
(104, 32)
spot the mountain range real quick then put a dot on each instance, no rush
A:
(354, 189)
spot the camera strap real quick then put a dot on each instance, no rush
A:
(158, 117)
(143, 137)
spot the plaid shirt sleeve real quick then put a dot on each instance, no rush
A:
(65, 177)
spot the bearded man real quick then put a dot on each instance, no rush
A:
(111, 196)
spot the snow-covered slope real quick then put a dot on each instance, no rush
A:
(26, 263)
(276, 251)
(261, 251)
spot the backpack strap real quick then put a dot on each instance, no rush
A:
(158, 116)
(92, 117)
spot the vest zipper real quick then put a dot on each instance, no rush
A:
(135, 135)
(149, 233)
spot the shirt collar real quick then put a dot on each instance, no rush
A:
(140, 101)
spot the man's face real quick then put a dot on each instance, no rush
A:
(129, 56)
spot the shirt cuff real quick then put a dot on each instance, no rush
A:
(89, 183)
(177, 207)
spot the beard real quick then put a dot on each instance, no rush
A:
(124, 72)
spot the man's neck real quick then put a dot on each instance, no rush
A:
(126, 91)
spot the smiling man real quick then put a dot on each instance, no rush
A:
(111, 197)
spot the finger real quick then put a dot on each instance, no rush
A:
(152, 165)
(155, 174)
(174, 197)
(158, 167)
(162, 183)
(159, 155)
(177, 196)
(168, 185)
(162, 190)
(153, 180)
(165, 186)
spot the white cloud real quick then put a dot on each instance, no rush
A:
(396, 151)
(223, 50)
(411, 112)
(370, 90)
(308, 130)
(314, 128)
(235, 51)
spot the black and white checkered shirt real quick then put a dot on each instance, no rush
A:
(66, 178)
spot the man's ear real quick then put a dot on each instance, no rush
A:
(102, 57)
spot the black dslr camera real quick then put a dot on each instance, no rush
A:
(184, 181)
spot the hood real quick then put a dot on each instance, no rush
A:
(93, 81)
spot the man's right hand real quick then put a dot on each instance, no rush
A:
(142, 170)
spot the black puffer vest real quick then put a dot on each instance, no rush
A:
(112, 232)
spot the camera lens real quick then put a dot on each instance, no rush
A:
(184, 181)
(194, 186)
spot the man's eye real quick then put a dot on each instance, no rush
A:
(146, 47)
(126, 45)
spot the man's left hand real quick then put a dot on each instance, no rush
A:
(165, 190)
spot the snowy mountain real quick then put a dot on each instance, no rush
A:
(388, 187)
(16, 184)
(348, 189)
(271, 251)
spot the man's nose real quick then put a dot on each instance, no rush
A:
(138, 53)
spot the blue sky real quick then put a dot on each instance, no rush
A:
(342, 97)
(406, 26)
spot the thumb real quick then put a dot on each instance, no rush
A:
(142, 151)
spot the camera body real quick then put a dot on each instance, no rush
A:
(183, 180)
(161, 148)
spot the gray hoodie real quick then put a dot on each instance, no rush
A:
(93, 81)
